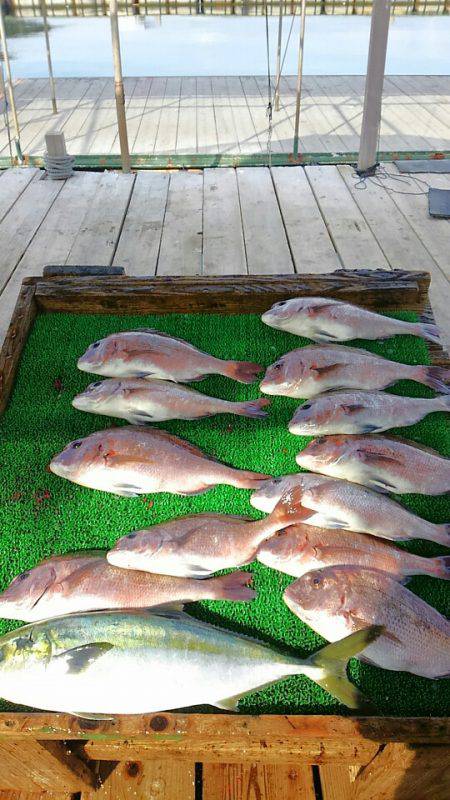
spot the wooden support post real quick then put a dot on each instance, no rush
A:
(12, 101)
(376, 61)
(49, 56)
(118, 88)
(405, 771)
(299, 76)
(265, 782)
(32, 766)
(278, 72)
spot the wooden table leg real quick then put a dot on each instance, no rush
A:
(399, 771)
(32, 766)
(257, 782)
(142, 780)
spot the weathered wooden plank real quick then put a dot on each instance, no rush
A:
(223, 241)
(53, 239)
(14, 182)
(145, 780)
(149, 121)
(34, 765)
(351, 235)
(206, 121)
(95, 242)
(22, 221)
(230, 294)
(187, 118)
(227, 137)
(257, 782)
(181, 243)
(166, 137)
(14, 334)
(311, 246)
(12, 794)
(265, 238)
(337, 782)
(399, 771)
(245, 128)
(140, 238)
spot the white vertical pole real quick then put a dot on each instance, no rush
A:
(118, 88)
(278, 76)
(373, 94)
(8, 72)
(49, 56)
(301, 47)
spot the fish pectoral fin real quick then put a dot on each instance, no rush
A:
(167, 608)
(353, 408)
(79, 658)
(195, 492)
(371, 428)
(126, 490)
(314, 311)
(229, 703)
(94, 717)
(141, 418)
(377, 459)
(329, 369)
(324, 336)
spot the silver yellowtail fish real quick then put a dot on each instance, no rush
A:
(325, 320)
(159, 661)
(148, 353)
(388, 464)
(362, 412)
(140, 401)
(272, 489)
(68, 584)
(339, 600)
(309, 371)
(200, 544)
(341, 504)
(133, 460)
(304, 548)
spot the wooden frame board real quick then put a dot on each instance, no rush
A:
(370, 746)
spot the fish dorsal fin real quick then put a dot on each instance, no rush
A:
(163, 334)
(167, 609)
(80, 658)
(416, 445)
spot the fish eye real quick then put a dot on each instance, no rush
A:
(74, 445)
(317, 582)
(23, 576)
(306, 406)
(278, 365)
(131, 536)
(282, 303)
(94, 385)
(95, 345)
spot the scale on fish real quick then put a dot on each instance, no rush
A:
(148, 353)
(325, 320)
(141, 401)
(387, 464)
(339, 600)
(200, 544)
(134, 460)
(304, 548)
(362, 412)
(87, 582)
(333, 503)
(309, 371)
(161, 660)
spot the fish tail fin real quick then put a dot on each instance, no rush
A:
(289, 509)
(244, 479)
(252, 408)
(442, 402)
(437, 567)
(439, 534)
(436, 378)
(427, 331)
(234, 586)
(331, 663)
(242, 371)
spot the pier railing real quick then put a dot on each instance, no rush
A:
(98, 8)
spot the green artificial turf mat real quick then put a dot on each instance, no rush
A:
(42, 514)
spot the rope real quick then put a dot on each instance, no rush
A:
(59, 167)
(277, 85)
(269, 109)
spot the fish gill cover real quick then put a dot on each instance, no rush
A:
(42, 515)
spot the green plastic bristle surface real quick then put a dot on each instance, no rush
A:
(42, 514)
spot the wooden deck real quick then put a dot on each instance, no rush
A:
(219, 221)
(228, 115)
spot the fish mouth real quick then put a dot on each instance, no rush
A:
(58, 467)
(269, 318)
(124, 559)
(81, 402)
(84, 365)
